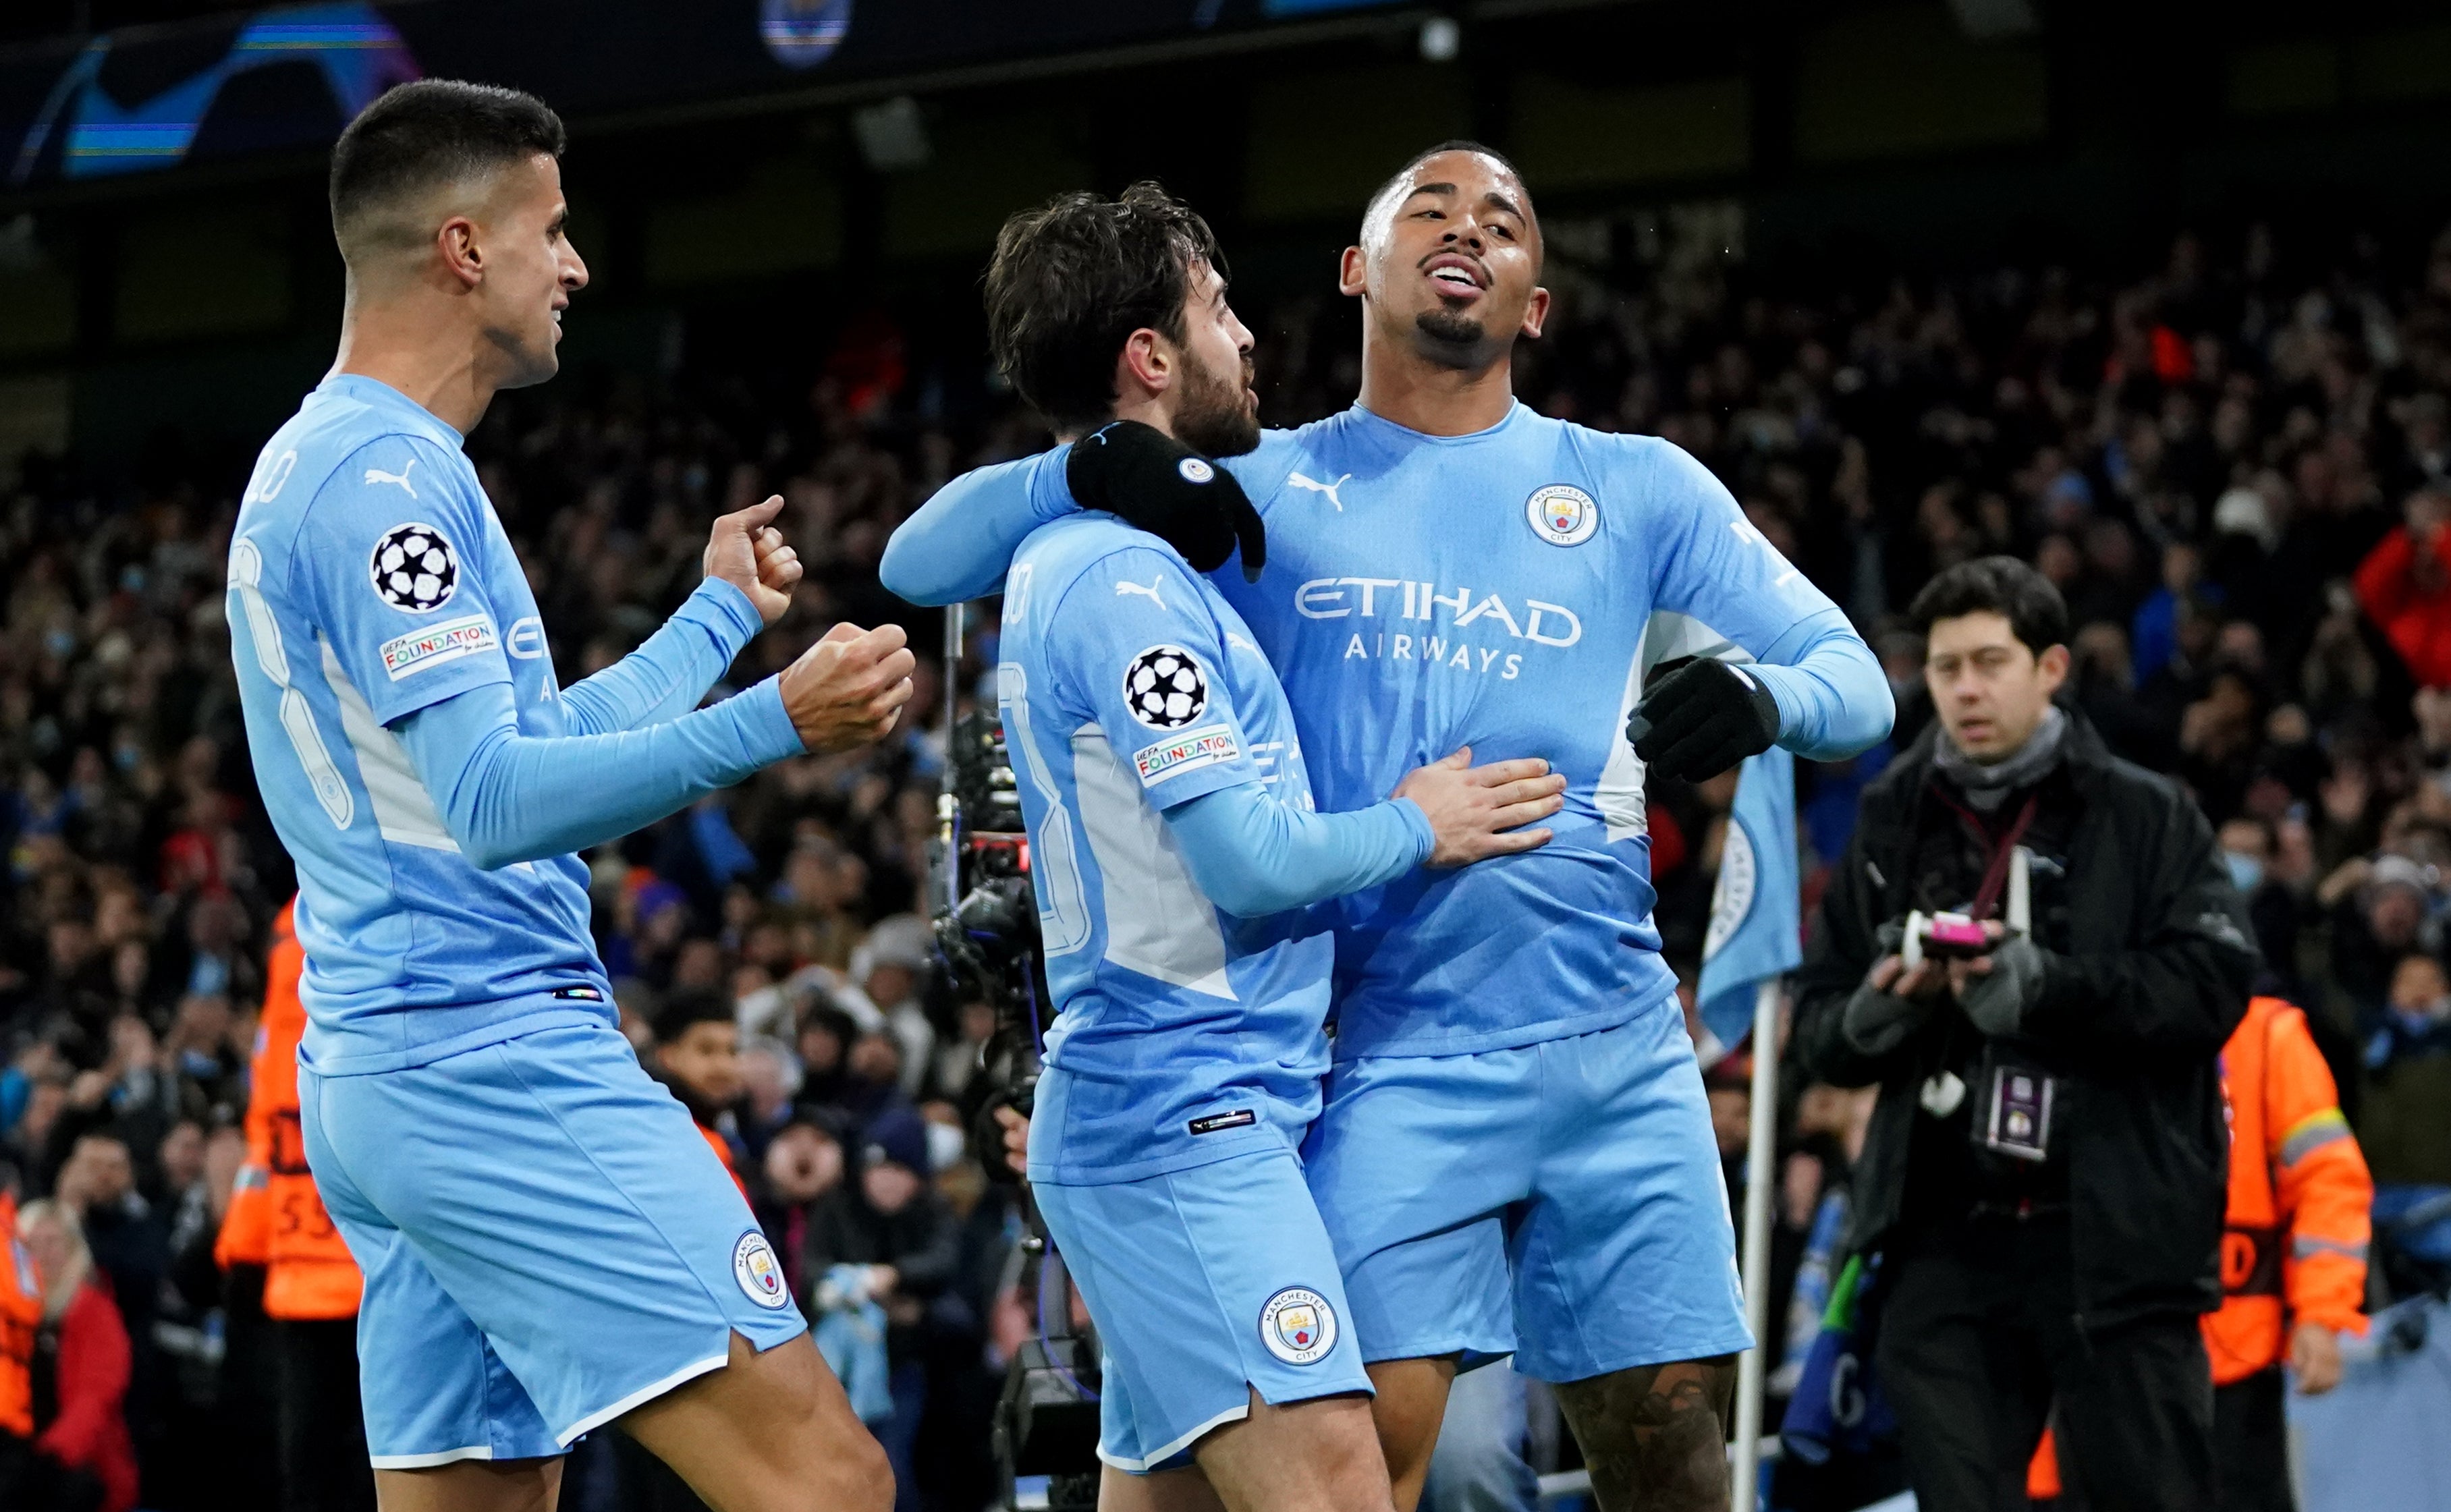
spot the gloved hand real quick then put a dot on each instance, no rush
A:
(1705, 718)
(1999, 1000)
(1876, 1022)
(1152, 480)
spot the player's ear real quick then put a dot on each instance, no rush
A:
(457, 245)
(1352, 273)
(1145, 367)
(1536, 313)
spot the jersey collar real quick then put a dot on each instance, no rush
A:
(1371, 420)
(382, 396)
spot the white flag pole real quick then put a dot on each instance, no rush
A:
(1760, 1158)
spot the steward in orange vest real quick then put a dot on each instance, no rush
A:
(21, 1316)
(2294, 1247)
(275, 1216)
(2293, 1257)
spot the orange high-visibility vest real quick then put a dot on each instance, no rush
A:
(2294, 1245)
(276, 1217)
(21, 1318)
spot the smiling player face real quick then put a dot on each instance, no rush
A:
(530, 268)
(1449, 261)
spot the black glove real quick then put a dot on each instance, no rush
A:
(1147, 477)
(1705, 718)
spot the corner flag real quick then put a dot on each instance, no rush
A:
(1755, 923)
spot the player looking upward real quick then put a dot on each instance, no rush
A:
(549, 1246)
(1514, 1153)
(1175, 847)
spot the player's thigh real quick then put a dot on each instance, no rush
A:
(472, 1486)
(1626, 1255)
(565, 1201)
(1182, 1490)
(771, 1432)
(1207, 1285)
(1415, 1162)
(1316, 1456)
(1409, 1412)
(433, 1391)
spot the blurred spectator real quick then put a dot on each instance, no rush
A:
(80, 1420)
(887, 966)
(2405, 1116)
(2406, 586)
(891, 1222)
(698, 1059)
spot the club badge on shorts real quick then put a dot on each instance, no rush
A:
(1298, 1326)
(1562, 514)
(760, 1275)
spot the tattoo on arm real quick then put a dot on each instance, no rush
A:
(1655, 1436)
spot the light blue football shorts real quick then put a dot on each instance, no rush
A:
(547, 1240)
(1561, 1201)
(1205, 1284)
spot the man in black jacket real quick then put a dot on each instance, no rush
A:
(2045, 1173)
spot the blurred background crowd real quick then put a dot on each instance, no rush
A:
(2235, 464)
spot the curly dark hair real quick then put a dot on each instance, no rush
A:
(1073, 278)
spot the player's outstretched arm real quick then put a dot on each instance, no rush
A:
(1252, 854)
(749, 573)
(957, 545)
(1706, 560)
(508, 798)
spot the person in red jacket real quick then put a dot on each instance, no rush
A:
(80, 1413)
(2404, 585)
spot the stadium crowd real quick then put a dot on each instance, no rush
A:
(2235, 466)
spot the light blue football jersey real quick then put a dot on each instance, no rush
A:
(369, 577)
(1495, 590)
(1129, 686)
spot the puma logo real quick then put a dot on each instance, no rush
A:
(376, 475)
(1297, 480)
(1149, 593)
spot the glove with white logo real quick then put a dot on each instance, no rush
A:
(1150, 480)
(1705, 718)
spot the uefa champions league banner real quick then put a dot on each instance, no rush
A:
(287, 78)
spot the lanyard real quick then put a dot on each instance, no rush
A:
(1995, 871)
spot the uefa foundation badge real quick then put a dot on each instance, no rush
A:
(1298, 1326)
(1562, 514)
(759, 1274)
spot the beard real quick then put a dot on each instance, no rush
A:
(1459, 334)
(1210, 417)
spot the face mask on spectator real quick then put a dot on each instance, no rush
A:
(2245, 872)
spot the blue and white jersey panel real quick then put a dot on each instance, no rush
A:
(1496, 590)
(1186, 1034)
(369, 577)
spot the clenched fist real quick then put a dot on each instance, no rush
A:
(849, 688)
(745, 550)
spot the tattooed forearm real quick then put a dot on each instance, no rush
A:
(1655, 1436)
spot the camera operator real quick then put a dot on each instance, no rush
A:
(2045, 1173)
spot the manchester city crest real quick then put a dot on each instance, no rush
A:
(1562, 514)
(1298, 1326)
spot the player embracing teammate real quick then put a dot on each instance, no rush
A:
(1514, 1154)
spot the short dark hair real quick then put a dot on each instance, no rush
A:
(418, 136)
(686, 1008)
(1071, 279)
(2001, 585)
